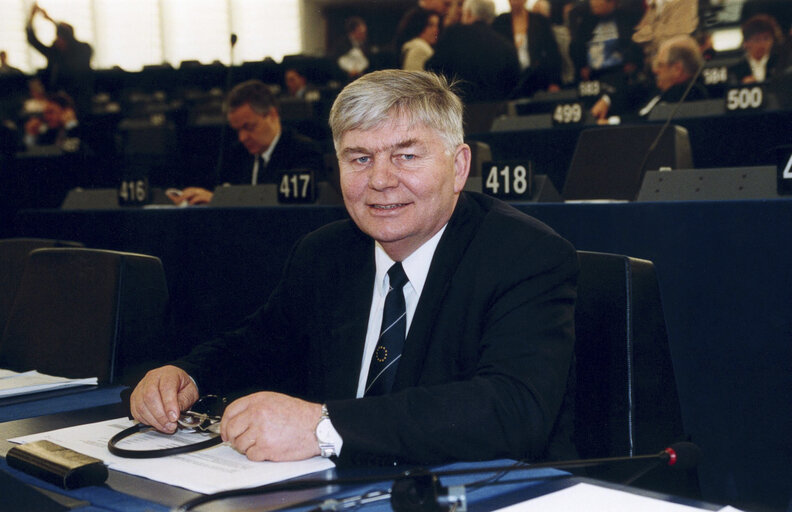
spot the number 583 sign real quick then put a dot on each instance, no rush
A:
(510, 180)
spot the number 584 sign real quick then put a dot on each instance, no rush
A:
(509, 180)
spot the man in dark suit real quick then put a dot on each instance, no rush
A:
(485, 63)
(675, 68)
(252, 111)
(487, 308)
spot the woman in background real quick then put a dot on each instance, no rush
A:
(416, 37)
(537, 50)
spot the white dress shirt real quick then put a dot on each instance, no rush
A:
(265, 156)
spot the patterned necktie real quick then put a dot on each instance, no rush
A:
(385, 359)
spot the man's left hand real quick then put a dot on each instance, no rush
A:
(272, 426)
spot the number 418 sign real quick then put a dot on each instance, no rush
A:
(508, 179)
(785, 171)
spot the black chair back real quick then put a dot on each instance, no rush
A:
(626, 394)
(13, 255)
(87, 313)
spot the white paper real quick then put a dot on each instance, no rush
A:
(593, 498)
(15, 384)
(215, 469)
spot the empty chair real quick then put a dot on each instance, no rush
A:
(627, 402)
(13, 254)
(87, 313)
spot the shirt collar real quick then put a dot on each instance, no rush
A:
(266, 155)
(416, 265)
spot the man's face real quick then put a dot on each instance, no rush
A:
(255, 131)
(400, 185)
(294, 81)
(666, 75)
(360, 33)
(602, 7)
(759, 45)
(53, 115)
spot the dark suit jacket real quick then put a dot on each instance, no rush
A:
(476, 54)
(743, 69)
(486, 362)
(293, 151)
(546, 63)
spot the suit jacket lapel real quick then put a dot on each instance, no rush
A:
(461, 229)
(342, 355)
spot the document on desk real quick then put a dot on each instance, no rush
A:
(16, 384)
(593, 498)
(215, 469)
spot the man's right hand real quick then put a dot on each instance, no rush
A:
(196, 195)
(161, 395)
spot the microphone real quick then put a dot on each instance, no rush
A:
(671, 115)
(419, 490)
(224, 129)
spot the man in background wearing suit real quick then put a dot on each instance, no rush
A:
(482, 299)
(252, 111)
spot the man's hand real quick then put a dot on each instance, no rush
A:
(600, 109)
(160, 397)
(272, 426)
(196, 195)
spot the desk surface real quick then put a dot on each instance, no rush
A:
(124, 492)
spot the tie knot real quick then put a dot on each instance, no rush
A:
(397, 276)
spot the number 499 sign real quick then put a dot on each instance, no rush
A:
(509, 180)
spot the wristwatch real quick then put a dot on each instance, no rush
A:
(324, 434)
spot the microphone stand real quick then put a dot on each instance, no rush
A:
(423, 485)
(224, 128)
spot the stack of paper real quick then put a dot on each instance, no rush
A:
(16, 384)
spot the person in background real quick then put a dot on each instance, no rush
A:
(762, 42)
(352, 51)
(297, 85)
(252, 111)
(559, 20)
(484, 62)
(537, 50)
(602, 47)
(68, 61)
(57, 125)
(664, 19)
(675, 68)
(433, 325)
(416, 38)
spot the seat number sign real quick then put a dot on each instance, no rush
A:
(568, 113)
(297, 187)
(509, 180)
(785, 171)
(134, 192)
(741, 99)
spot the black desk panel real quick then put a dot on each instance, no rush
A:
(724, 274)
(736, 140)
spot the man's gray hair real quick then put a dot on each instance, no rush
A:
(483, 10)
(255, 93)
(685, 50)
(419, 97)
